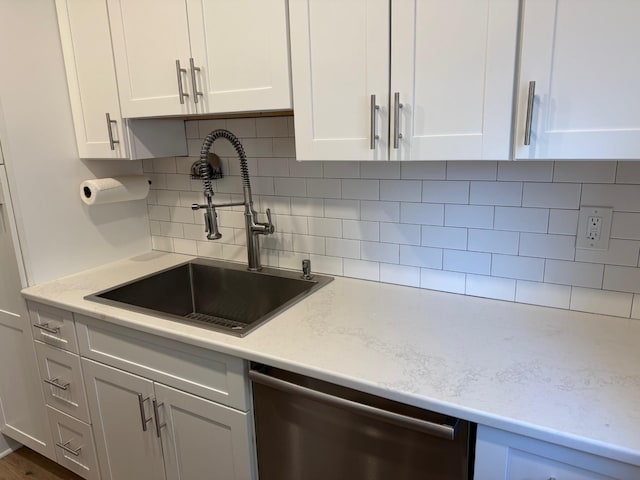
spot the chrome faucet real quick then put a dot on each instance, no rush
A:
(253, 228)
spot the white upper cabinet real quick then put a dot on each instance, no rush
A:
(446, 67)
(582, 56)
(200, 56)
(101, 132)
(339, 62)
(452, 67)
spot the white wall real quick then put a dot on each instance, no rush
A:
(59, 235)
(503, 230)
(7, 445)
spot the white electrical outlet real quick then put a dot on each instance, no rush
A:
(594, 227)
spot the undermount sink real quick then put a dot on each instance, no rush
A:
(219, 295)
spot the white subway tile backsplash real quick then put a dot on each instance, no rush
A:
(544, 294)
(380, 252)
(361, 230)
(290, 187)
(472, 216)
(496, 193)
(622, 279)
(472, 170)
(628, 172)
(273, 167)
(423, 170)
(444, 237)
(399, 233)
(434, 191)
(621, 252)
(491, 287)
(324, 188)
(525, 171)
(560, 247)
(305, 169)
(585, 172)
(325, 227)
(623, 198)
(341, 247)
(625, 225)
(309, 207)
(442, 281)
(635, 309)
(380, 211)
(493, 241)
(601, 301)
(341, 169)
(535, 220)
(326, 265)
(380, 170)
(401, 190)
(551, 195)
(501, 230)
(574, 273)
(420, 256)
(361, 269)
(346, 209)
(467, 262)
(563, 222)
(400, 274)
(520, 268)
(186, 247)
(361, 189)
(422, 213)
(272, 127)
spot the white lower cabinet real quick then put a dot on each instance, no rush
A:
(506, 456)
(74, 444)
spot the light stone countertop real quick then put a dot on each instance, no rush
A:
(565, 377)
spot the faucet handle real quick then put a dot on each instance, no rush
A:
(269, 226)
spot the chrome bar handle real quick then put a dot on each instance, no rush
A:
(530, 100)
(194, 69)
(66, 448)
(396, 127)
(180, 71)
(112, 142)
(55, 383)
(47, 328)
(446, 431)
(374, 122)
(156, 413)
(143, 416)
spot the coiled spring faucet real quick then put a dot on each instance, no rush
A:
(252, 226)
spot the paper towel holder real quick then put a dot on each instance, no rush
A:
(86, 191)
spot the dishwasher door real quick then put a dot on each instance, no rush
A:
(307, 429)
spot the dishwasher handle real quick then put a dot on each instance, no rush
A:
(446, 431)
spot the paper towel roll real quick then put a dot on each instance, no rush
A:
(116, 189)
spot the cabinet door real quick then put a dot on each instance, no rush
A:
(453, 65)
(582, 55)
(91, 75)
(339, 59)
(148, 38)
(22, 409)
(241, 49)
(120, 406)
(202, 439)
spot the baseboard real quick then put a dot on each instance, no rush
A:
(11, 445)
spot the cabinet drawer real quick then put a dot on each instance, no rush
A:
(525, 466)
(62, 377)
(75, 447)
(53, 326)
(208, 374)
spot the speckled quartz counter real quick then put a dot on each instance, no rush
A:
(559, 376)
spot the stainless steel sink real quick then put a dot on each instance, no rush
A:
(218, 295)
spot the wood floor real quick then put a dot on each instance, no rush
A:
(27, 464)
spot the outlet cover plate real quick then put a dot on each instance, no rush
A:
(586, 228)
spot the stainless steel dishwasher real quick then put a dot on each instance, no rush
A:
(307, 429)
